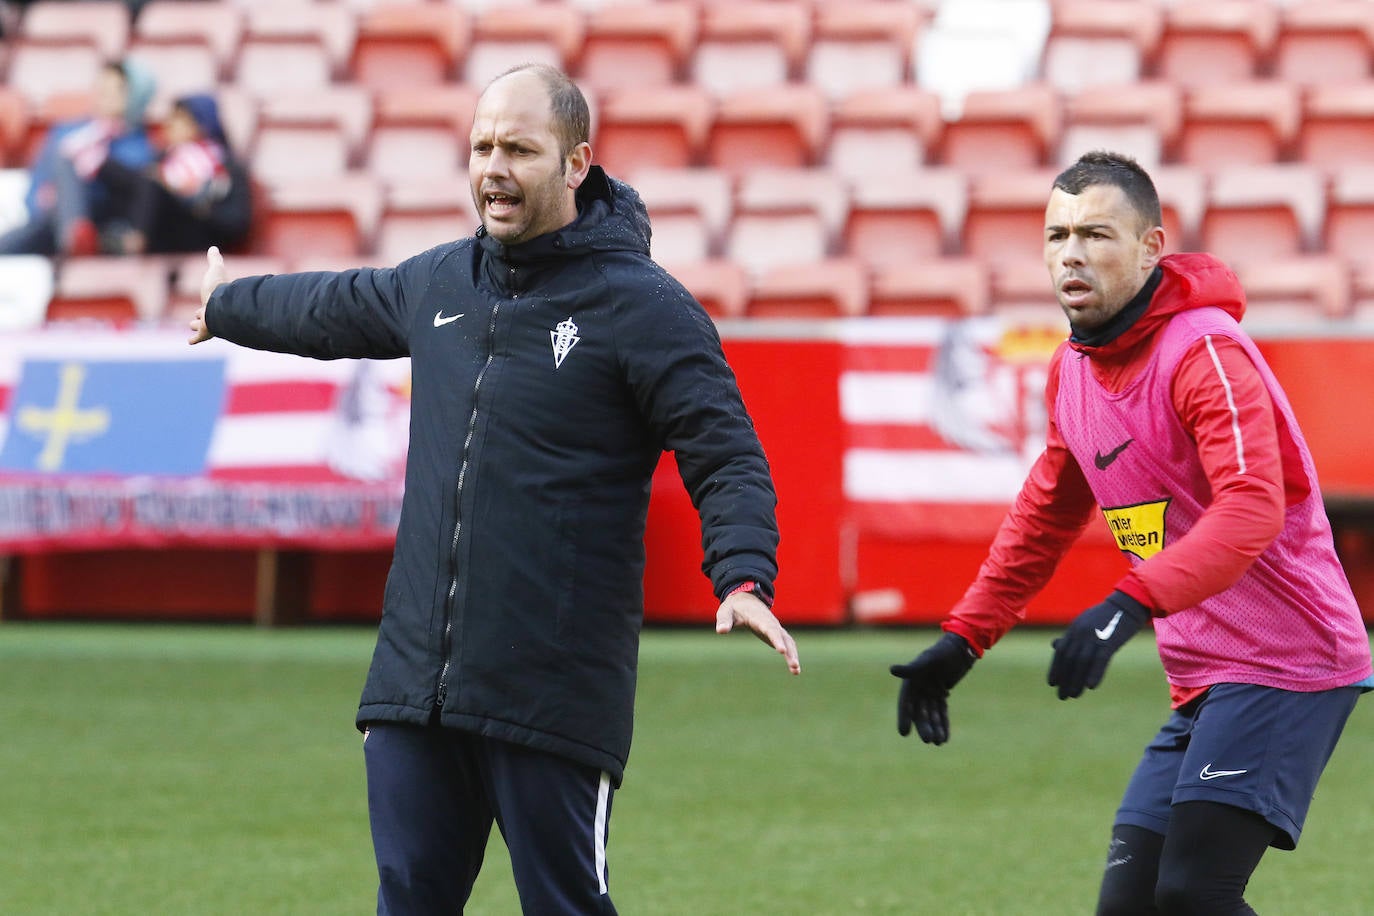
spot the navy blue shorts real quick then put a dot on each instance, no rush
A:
(1257, 748)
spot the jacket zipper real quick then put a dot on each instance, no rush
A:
(446, 644)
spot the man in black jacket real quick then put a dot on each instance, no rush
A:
(552, 364)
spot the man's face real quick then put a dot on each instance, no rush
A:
(110, 97)
(1098, 253)
(521, 185)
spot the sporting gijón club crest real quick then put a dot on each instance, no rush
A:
(564, 338)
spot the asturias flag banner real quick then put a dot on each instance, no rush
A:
(114, 439)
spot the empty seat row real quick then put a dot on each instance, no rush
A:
(1200, 44)
(714, 43)
(1304, 290)
(717, 46)
(773, 216)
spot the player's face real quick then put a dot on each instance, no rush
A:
(521, 184)
(1098, 252)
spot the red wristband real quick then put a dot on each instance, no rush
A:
(754, 589)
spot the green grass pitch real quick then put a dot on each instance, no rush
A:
(215, 770)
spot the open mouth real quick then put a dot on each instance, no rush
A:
(500, 204)
(1073, 288)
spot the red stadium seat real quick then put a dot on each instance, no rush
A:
(1022, 293)
(637, 44)
(1349, 221)
(721, 286)
(422, 213)
(1005, 217)
(783, 127)
(102, 26)
(943, 287)
(505, 36)
(216, 25)
(409, 45)
(1263, 212)
(1325, 42)
(834, 288)
(785, 216)
(121, 290)
(899, 217)
(661, 126)
(750, 45)
(310, 133)
(1239, 124)
(876, 131)
(1182, 193)
(1300, 289)
(689, 210)
(680, 234)
(294, 46)
(238, 112)
(1093, 44)
(14, 128)
(865, 44)
(40, 71)
(1218, 42)
(1141, 120)
(1003, 130)
(1337, 125)
(420, 130)
(329, 217)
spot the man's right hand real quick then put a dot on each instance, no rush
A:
(214, 276)
(926, 682)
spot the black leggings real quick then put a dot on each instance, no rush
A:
(1201, 867)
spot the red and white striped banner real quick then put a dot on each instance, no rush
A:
(942, 420)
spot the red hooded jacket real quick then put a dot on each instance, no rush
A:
(1055, 503)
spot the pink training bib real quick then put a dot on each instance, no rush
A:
(1291, 621)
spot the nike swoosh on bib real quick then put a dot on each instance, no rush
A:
(440, 319)
(1104, 461)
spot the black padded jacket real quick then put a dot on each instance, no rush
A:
(547, 379)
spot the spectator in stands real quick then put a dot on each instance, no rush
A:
(196, 195)
(1163, 413)
(553, 362)
(68, 205)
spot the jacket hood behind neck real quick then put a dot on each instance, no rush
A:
(610, 217)
(1191, 280)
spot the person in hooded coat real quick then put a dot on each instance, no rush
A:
(68, 205)
(552, 362)
(196, 195)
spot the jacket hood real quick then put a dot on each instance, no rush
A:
(140, 85)
(203, 109)
(610, 217)
(1189, 280)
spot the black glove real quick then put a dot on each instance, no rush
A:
(926, 682)
(1082, 653)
